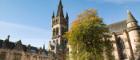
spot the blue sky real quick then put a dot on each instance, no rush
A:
(30, 20)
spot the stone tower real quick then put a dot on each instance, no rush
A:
(59, 27)
(133, 31)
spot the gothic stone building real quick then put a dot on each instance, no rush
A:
(126, 38)
(58, 45)
(18, 51)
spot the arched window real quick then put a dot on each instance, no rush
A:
(63, 30)
(17, 56)
(34, 57)
(53, 32)
(56, 21)
(121, 48)
(2, 56)
(57, 31)
(53, 23)
(27, 57)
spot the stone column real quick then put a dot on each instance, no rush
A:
(115, 52)
(7, 55)
(23, 56)
(129, 50)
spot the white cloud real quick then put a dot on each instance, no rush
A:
(29, 35)
(116, 1)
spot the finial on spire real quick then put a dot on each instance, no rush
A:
(44, 46)
(67, 16)
(53, 15)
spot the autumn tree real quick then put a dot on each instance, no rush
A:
(88, 37)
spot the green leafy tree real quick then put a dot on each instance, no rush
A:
(88, 37)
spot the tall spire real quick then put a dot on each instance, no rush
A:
(60, 9)
(130, 17)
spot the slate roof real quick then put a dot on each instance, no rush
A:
(122, 25)
(118, 27)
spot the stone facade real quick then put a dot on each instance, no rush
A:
(18, 51)
(126, 38)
